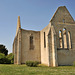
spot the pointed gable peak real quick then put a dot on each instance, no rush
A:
(62, 11)
(62, 7)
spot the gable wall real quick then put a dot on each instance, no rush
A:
(65, 57)
(60, 14)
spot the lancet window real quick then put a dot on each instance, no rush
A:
(31, 42)
(69, 39)
(44, 40)
(60, 39)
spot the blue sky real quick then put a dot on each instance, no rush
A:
(34, 14)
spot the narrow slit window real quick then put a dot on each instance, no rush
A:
(31, 42)
(44, 41)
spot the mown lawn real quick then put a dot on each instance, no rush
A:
(41, 70)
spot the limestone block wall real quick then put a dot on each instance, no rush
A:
(15, 44)
(44, 51)
(62, 15)
(16, 48)
(28, 54)
(19, 47)
(66, 57)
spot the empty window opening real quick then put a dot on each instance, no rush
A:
(63, 20)
(69, 37)
(60, 39)
(31, 42)
(44, 41)
(64, 38)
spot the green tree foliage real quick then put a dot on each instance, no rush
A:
(3, 50)
(3, 59)
(2, 55)
(10, 57)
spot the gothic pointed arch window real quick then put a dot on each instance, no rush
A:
(31, 43)
(64, 37)
(60, 39)
(69, 39)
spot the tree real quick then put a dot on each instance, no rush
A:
(3, 50)
(10, 57)
(4, 60)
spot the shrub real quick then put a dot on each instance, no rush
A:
(35, 63)
(10, 57)
(32, 63)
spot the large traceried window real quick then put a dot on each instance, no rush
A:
(31, 42)
(65, 39)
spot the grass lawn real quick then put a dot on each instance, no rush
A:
(41, 70)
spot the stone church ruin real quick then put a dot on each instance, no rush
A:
(53, 46)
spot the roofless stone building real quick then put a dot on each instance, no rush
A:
(54, 45)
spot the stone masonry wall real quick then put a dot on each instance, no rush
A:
(28, 54)
(44, 51)
(65, 57)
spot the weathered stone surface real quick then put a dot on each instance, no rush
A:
(51, 54)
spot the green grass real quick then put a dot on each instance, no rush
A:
(41, 70)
